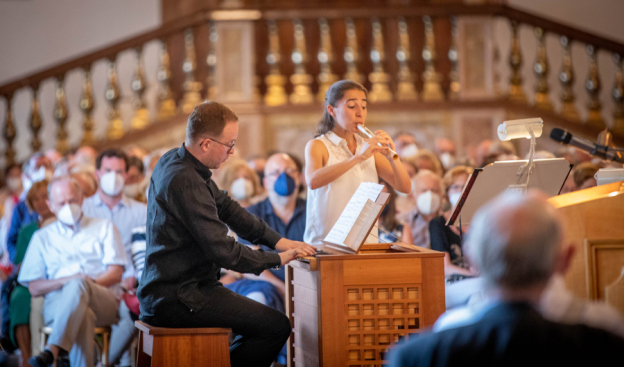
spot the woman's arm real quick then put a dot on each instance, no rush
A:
(316, 156)
(391, 169)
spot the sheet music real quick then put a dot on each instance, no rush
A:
(365, 192)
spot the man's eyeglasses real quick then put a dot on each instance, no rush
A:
(230, 147)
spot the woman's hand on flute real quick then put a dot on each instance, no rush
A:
(386, 140)
(370, 147)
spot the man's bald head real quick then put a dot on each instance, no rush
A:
(516, 240)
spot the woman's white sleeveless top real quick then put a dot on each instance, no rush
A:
(325, 204)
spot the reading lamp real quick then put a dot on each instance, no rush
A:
(525, 128)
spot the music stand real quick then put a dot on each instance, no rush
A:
(547, 175)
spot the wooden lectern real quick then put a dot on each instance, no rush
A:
(594, 222)
(347, 309)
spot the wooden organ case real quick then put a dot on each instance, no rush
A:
(348, 309)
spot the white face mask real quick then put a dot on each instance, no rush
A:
(69, 214)
(133, 190)
(448, 161)
(409, 151)
(428, 203)
(14, 183)
(41, 174)
(454, 198)
(112, 183)
(241, 189)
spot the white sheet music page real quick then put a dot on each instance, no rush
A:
(367, 191)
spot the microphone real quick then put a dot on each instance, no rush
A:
(600, 151)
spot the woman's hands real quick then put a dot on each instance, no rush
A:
(371, 146)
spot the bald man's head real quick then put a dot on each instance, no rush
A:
(516, 240)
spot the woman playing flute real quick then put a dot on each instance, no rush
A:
(339, 159)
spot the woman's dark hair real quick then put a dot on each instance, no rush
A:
(333, 95)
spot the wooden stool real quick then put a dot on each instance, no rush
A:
(160, 347)
(104, 332)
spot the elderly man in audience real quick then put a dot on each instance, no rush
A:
(517, 243)
(110, 203)
(427, 192)
(74, 263)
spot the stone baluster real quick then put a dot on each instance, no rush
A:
(9, 130)
(87, 103)
(112, 94)
(541, 69)
(432, 90)
(380, 80)
(406, 91)
(166, 103)
(593, 87)
(211, 60)
(35, 119)
(325, 57)
(351, 54)
(301, 94)
(454, 86)
(192, 87)
(516, 91)
(617, 93)
(141, 115)
(566, 78)
(276, 94)
(61, 113)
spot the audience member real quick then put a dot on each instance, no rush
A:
(258, 163)
(482, 152)
(282, 210)
(110, 203)
(390, 228)
(135, 151)
(448, 239)
(10, 197)
(19, 304)
(405, 145)
(136, 175)
(426, 160)
(54, 156)
(517, 244)
(240, 181)
(85, 156)
(73, 262)
(427, 192)
(37, 168)
(583, 175)
(445, 150)
(87, 181)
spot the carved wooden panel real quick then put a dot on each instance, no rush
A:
(604, 261)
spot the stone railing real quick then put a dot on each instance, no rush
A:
(412, 56)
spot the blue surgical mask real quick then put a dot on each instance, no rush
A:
(284, 185)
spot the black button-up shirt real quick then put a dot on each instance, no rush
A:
(187, 241)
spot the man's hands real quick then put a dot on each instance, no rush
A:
(290, 250)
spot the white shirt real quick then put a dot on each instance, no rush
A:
(126, 215)
(325, 204)
(57, 250)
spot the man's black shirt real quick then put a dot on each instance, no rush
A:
(187, 241)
